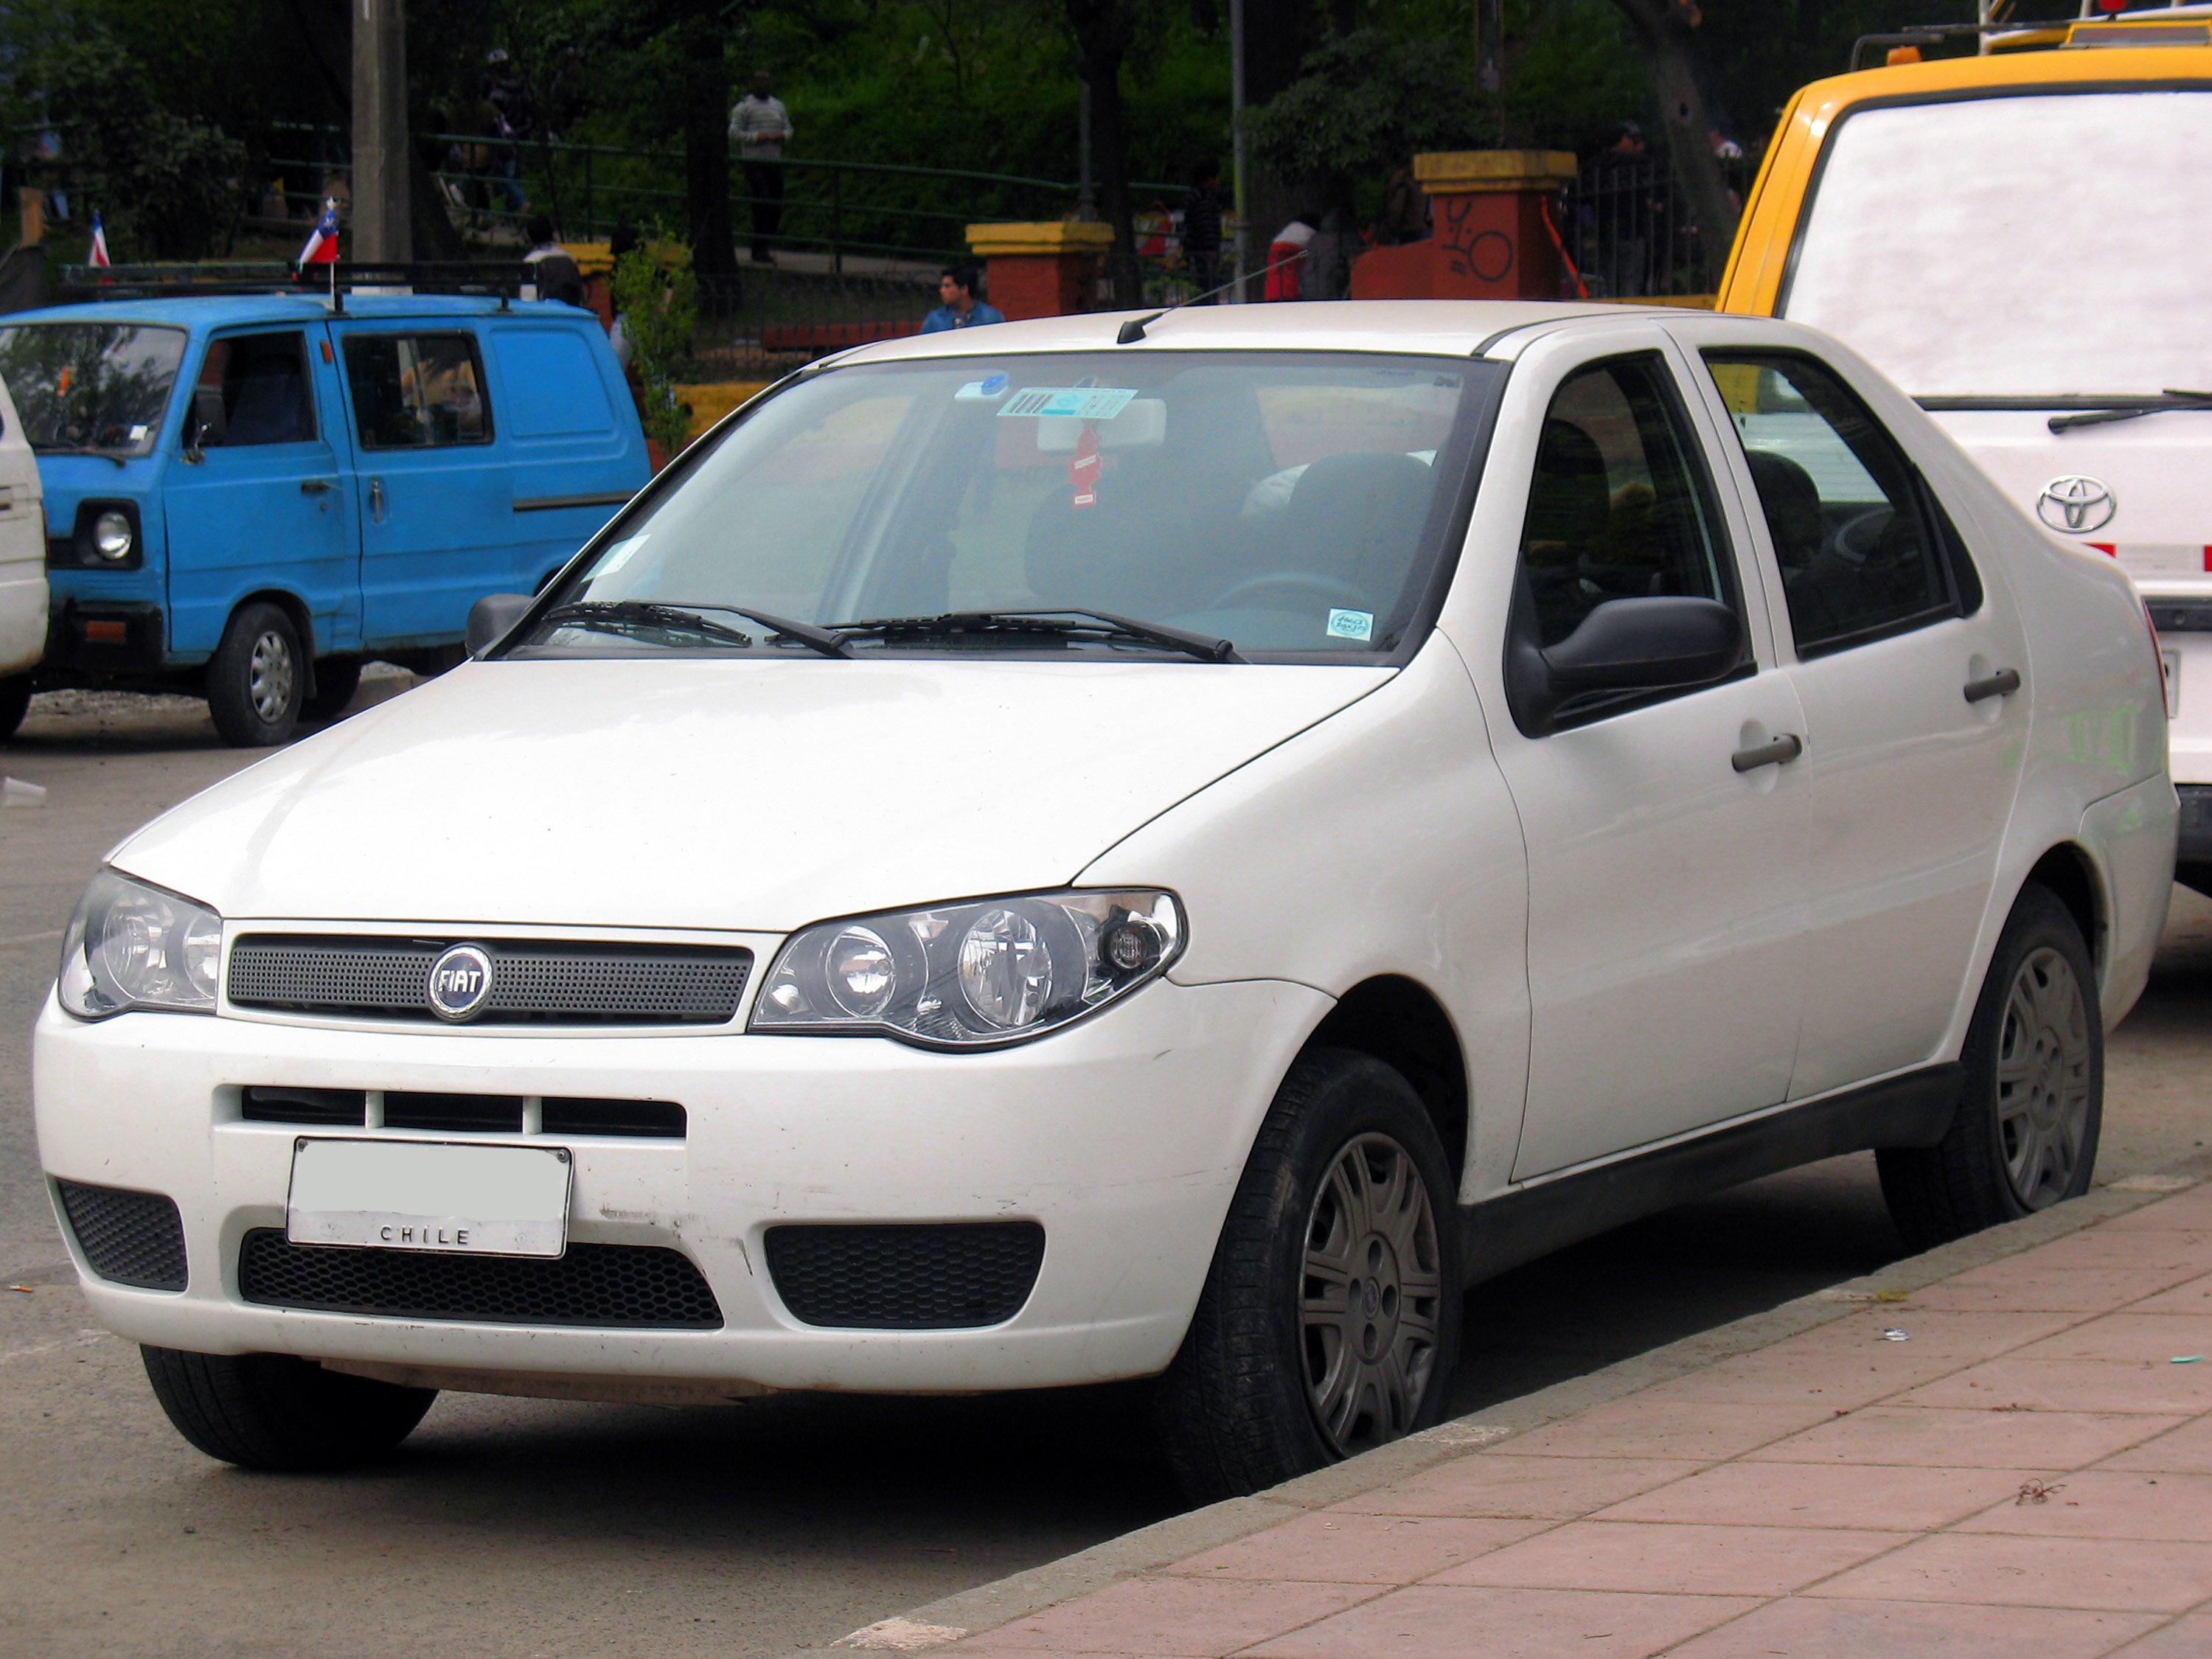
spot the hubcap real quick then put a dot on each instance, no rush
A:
(2043, 1078)
(1370, 1303)
(269, 676)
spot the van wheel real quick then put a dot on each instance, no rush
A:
(254, 683)
(15, 704)
(269, 1410)
(2025, 1136)
(1329, 1322)
(336, 679)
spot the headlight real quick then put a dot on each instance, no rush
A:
(131, 946)
(973, 976)
(110, 535)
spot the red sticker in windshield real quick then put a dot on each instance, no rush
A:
(1082, 471)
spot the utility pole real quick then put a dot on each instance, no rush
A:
(1236, 141)
(1086, 190)
(381, 227)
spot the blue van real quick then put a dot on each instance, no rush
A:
(250, 497)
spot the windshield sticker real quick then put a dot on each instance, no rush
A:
(1082, 403)
(985, 390)
(620, 554)
(1083, 471)
(1352, 625)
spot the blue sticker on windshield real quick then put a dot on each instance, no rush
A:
(1081, 403)
(982, 390)
(1352, 625)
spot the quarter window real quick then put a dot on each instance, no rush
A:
(1850, 518)
(252, 389)
(417, 391)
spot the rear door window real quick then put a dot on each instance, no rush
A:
(417, 391)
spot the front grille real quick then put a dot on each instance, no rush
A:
(625, 1287)
(935, 1276)
(543, 981)
(489, 1114)
(131, 1238)
(338, 1106)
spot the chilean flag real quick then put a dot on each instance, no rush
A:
(322, 247)
(98, 257)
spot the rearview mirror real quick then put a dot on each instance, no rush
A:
(491, 617)
(1625, 645)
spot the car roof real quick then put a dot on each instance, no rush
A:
(212, 310)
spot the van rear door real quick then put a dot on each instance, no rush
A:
(573, 432)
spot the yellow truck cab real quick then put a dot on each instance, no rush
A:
(2020, 239)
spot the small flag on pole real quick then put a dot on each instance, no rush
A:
(322, 246)
(98, 256)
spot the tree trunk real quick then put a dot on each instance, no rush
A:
(1103, 30)
(706, 93)
(1664, 33)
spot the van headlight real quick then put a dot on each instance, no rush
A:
(977, 975)
(134, 946)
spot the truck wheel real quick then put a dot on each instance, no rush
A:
(2025, 1137)
(254, 684)
(1329, 1322)
(15, 704)
(336, 679)
(269, 1410)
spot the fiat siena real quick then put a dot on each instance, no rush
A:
(1116, 847)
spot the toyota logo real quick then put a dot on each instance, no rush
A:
(2075, 505)
(459, 983)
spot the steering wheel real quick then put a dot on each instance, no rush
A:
(1297, 585)
(1860, 539)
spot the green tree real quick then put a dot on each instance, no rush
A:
(658, 298)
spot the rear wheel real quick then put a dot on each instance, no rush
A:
(15, 704)
(336, 679)
(1329, 1322)
(2025, 1137)
(256, 681)
(271, 1410)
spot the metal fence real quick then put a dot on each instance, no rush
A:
(767, 321)
(1628, 228)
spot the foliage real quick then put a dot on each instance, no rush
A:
(1366, 102)
(658, 298)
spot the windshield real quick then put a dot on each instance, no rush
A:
(2017, 247)
(1291, 505)
(90, 385)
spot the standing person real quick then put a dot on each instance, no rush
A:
(961, 309)
(1201, 231)
(554, 271)
(760, 127)
(1286, 258)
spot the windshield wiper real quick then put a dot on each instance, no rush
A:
(81, 449)
(1064, 622)
(2168, 400)
(626, 616)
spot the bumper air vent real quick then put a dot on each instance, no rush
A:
(129, 1239)
(933, 1276)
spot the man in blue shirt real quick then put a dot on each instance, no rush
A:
(961, 309)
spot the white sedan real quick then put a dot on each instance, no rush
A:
(1101, 848)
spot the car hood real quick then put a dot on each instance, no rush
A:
(697, 793)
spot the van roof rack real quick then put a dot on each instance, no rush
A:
(503, 281)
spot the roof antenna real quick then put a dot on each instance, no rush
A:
(1133, 331)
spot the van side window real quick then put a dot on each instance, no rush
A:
(252, 389)
(417, 391)
(1862, 554)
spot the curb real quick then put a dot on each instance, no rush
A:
(973, 1612)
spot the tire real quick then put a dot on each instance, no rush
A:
(15, 704)
(1280, 1374)
(2031, 1106)
(336, 679)
(269, 1410)
(254, 683)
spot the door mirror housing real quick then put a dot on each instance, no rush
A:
(491, 617)
(1624, 645)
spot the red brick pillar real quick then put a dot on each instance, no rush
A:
(1048, 270)
(1489, 238)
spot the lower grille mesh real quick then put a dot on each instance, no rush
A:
(935, 1276)
(603, 1285)
(130, 1238)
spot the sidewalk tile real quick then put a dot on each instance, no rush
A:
(2183, 1251)
(2187, 1210)
(1964, 1335)
(2054, 1292)
(1439, 1621)
(1558, 1488)
(2184, 1451)
(2151, 1339)
(2074, 1385)
(1653, 1423)
(1174, 1617)
(2195, 1297)
(2111, 1503)
(1826, 1380)
(1621, 1555)
(1916, 1629)
(2121, 1574)
(1819, 1495)
(1954, 1439)
(1335, 1547)
(2185, 1638)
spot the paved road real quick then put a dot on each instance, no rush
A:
(514, 1528)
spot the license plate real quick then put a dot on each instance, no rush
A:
(430, 1195)
(2173, 681)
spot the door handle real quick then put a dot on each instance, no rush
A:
(313, 486)
(376, 499)
(2002, 684)
(1773, 752)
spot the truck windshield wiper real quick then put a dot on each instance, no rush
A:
(2169, 399)
(1063, 623)
(623, 615)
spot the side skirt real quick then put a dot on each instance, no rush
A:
(1499, 1234)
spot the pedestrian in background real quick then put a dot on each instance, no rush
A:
(1201, 231)
(961, 309)
(1286, 258)
(554, 273)
(760, 127)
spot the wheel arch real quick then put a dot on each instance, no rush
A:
(1401, 1022)
(294, 607)
(2069, 873)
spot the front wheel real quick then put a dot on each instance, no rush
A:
(1329, 1322)
(271, 1410)
(255, 681)
(2025, 1136)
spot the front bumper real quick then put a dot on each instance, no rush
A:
(1123, 1136)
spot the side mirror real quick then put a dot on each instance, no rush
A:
(1625, 645)
(491, 617)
